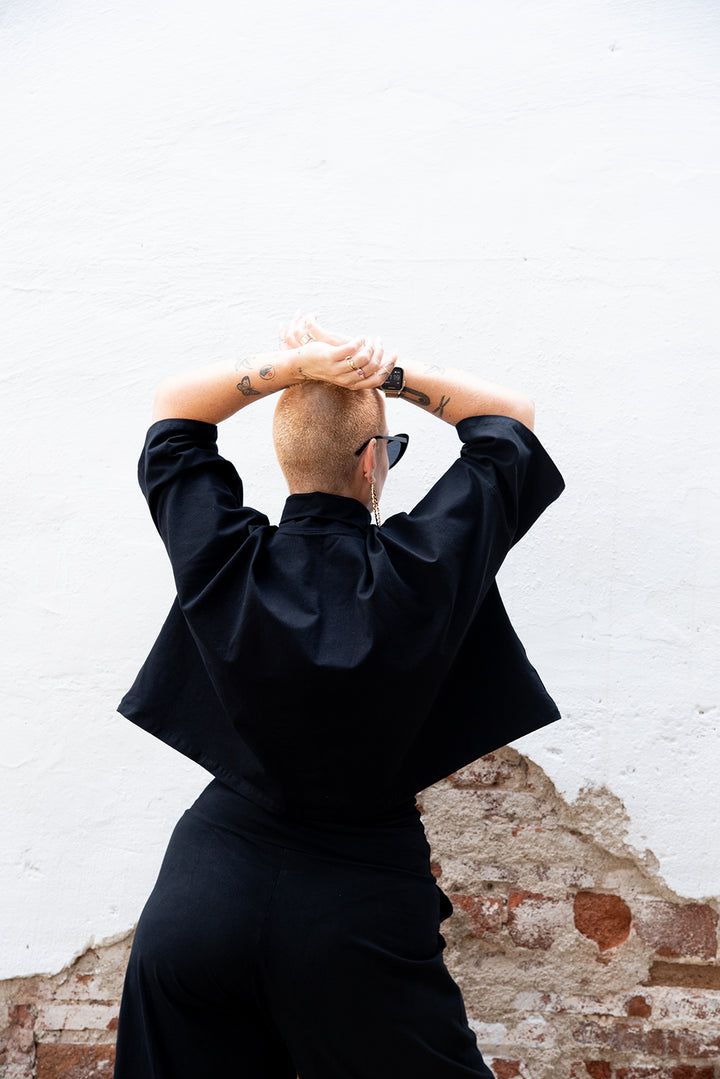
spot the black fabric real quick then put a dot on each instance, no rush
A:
(306, 663)
(270, 948)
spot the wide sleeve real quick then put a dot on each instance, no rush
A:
(489, 693)
(195, 497)
(502, 464)
(450, 547)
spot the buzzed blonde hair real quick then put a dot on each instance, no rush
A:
(318, 427)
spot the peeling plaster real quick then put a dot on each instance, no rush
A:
(530, 190)
(531, 995)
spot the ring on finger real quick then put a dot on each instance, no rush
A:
(360, 372)
(351, 364)
(305, 338)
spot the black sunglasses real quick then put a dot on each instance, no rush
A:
(396, 446)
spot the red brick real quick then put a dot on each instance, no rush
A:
(602, 1069)
(17, 1041)
(606, 919)
(675, 930)
(682, 1071)
(535, 921)
(506, 1069)
(685, 975)
(21, 1014)
(591, 1069)
(598, 1069)
(686, 1009)
(640, 1007)
(485, 913)
(637, 1038)
(75, 1061)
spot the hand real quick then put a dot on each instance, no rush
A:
(360, 355)
(354, 365)
(304, 327)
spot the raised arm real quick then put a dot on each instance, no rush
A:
(445, 392)
(215, 392)
(453, 395)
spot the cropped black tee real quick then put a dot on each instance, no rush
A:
(326, 668)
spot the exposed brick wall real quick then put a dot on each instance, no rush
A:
(63, 1027)
(576, 961)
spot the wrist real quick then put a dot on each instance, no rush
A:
(394, 384)
(414, 383)
(287, 365)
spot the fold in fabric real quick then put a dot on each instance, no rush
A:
(326, 668)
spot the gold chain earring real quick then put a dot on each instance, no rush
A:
(375, 504)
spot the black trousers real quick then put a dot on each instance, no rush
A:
(271, 948)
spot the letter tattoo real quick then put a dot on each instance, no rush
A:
(441, 407)
(246, 387)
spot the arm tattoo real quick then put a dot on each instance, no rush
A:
(243, 364)
(303, 376)
(417, 396)
(246, 387)
(267, 371)
(441, 407)
(431, 368)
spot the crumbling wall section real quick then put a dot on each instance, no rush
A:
(63, 1026)
(576, 960)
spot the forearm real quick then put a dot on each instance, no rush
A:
(447, 393)
(213, 393)
(453, 395)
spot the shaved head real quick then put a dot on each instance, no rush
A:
(317, 429)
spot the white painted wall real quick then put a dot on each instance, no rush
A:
(530, 190)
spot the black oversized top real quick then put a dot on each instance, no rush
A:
(326, 668)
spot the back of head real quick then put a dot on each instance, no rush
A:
(317, 429)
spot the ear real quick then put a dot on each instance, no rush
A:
(367, 461)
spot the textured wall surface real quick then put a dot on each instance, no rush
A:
(576, 960)
(527, 190)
